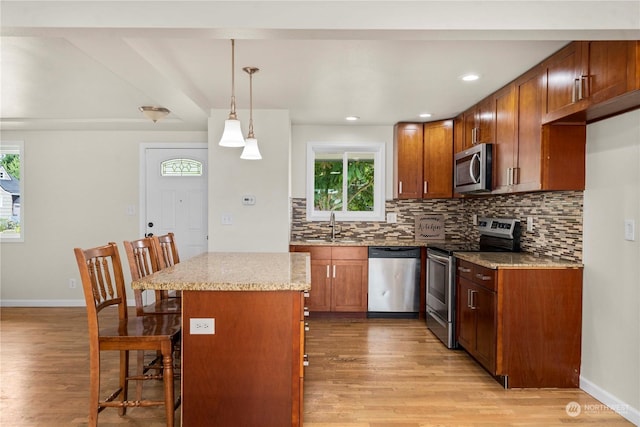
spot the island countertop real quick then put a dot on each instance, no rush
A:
(233, 271)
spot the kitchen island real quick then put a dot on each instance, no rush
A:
(242, 336)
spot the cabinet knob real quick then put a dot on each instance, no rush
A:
(306, 312)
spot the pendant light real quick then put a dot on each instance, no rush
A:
(251, 151)
(232, 134)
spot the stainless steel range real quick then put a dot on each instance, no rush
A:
(496, 235)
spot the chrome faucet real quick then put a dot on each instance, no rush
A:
(332, 224)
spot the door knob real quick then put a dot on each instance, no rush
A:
(150, 224)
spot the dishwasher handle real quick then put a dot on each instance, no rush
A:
(394, 252)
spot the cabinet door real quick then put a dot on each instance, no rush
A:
(350, 285)
(466, 316)
(458, 134)
(485, 121)
(408, 161)
(607, 75)
(529, 131)
(438, 160)
(563, 77)
(484, 303)
(505, 147)
(320, 294)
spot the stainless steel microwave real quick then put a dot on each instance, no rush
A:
(472, 170)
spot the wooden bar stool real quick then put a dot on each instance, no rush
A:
(167, 255)
(143, 260)
(104, 290)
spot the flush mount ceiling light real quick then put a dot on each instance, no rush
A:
(232, 134)
(424, 115)
(352, 118)
(251, 151)
(154, 113)
(470, 77)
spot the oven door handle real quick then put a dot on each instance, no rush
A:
(440, 258)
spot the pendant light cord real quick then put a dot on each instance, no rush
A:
(250, 135)
(232, 114)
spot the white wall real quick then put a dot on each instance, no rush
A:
(78, 185)
(611, 300)
(263, 227)
(300, 135)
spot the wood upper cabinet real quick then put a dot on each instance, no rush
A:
(505, 149)
(424, 162)
(582, 78)
(507, 319)
(530, 156)
(339, 278)
(479, 123)
(437, 158)
(564, 91)
(407, 154)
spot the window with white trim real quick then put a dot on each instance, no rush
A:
(11, 191)
(346, 178)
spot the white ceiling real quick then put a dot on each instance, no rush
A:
(90, 64)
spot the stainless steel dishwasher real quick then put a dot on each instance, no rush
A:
(394, 281)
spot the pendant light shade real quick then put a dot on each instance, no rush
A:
(251, 150)
(232, 134)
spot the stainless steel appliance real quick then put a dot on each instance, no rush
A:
(394, 281)
(472, 169)
(496, 235)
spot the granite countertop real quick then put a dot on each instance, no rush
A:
(513, 260)
(228, 271)
(340, 241)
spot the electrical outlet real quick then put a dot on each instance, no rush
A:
(72, 283)
(529, 224)
(474, 218)
(392, 217)
(629, 230)
(227, 219)
(199, 326)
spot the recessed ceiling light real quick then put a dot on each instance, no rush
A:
(470, 77)
(425, 115)
(352, 118)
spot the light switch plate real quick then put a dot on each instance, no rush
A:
(629, 230)
(202, 326)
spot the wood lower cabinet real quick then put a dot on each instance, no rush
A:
(339, 278)
(250, 372)
(523, 325)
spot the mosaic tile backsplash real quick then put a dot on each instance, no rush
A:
(557, 219)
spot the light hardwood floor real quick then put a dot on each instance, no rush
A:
(363, 373)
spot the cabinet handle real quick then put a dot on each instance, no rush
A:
(305, 294)
(306, 326)
(509, 176)
(334, 271)
(328, 271)
(426, 188)
(305, 312)
(482, 277)
(581, 87)
(400, 187)
(464, 270)
(515, 179)
(574, 94)
(473, 300)
(469, 298)
(473, 136)
(305, 360)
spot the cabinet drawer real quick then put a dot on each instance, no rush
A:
(465, 269)
(316, 252)
(484, 277)
(349, 252)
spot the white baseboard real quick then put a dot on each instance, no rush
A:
(612, 402)
(47, 303)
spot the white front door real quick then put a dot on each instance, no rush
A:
(176, 197)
